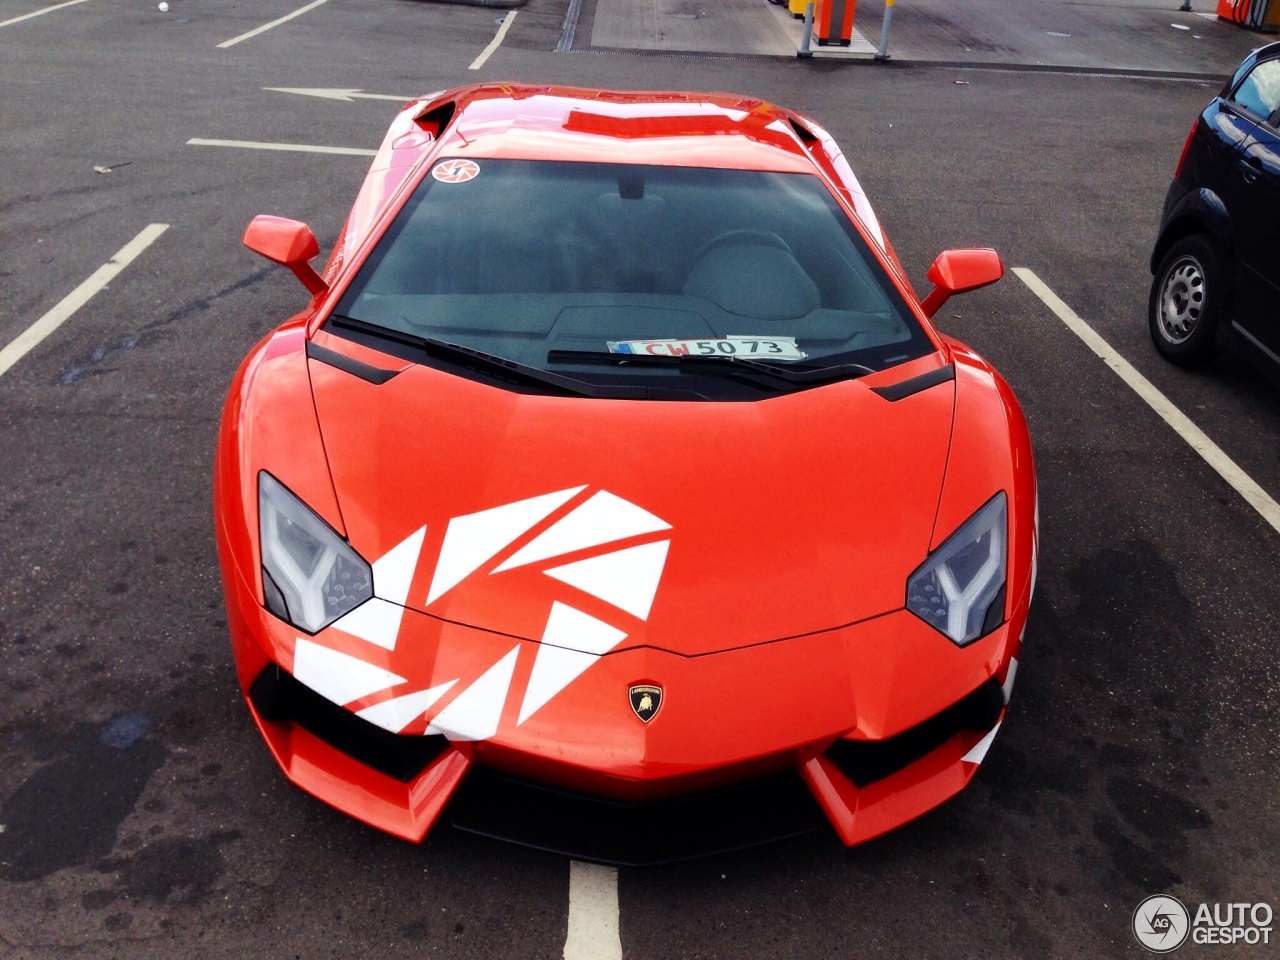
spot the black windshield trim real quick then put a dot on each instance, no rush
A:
(506, 373)
(894, 392)
(357, 368)
(794, 376)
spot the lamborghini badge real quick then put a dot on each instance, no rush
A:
(645, 700)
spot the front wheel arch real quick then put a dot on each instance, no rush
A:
(1187, 303)
(1199, 211)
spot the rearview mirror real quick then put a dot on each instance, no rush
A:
(290, 243)
(959, 271)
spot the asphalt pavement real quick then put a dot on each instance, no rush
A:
(140, 813)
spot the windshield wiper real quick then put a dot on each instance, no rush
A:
(510, 370)
(720, 364)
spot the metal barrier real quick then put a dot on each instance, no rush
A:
(837, 14)
(883, 52)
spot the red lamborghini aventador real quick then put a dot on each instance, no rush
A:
(615, 492)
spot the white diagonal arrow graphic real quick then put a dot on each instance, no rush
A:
(336, 94)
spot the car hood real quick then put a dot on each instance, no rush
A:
(692, 527)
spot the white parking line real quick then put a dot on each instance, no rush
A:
(496, 42)
(1213, 455)
(77, 298)
(593, 913)
(290, 147)
(267, 26)
(38, 13)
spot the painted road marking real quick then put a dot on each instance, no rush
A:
(77, 298)
(336, 94)
(38, 13)
(570, 26)
(496, 42)
(593, 913)
(1213, 455)
(267, 26)
(291, 147)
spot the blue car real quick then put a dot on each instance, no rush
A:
(1216, 262)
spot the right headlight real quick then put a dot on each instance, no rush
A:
(310, 575)
(960, 589)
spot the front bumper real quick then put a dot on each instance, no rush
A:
(864, 787)
(751, 745)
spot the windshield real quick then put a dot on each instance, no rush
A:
(577, 267)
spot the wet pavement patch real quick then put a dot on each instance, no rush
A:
(69, 810)
(1161, 816)
(98, 899)
(88, 366)
(124, 731)
(118, 921)
(1143, 869)
(173, 870)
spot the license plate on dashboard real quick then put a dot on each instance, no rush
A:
(759, 348)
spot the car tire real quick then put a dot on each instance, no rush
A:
(1186, 302)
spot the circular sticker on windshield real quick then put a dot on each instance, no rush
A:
(455, 171)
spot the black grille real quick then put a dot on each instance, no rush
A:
(866, 761)
(278, 696)
(503, 807)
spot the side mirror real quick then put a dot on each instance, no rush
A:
(959, 271)
(290, 243)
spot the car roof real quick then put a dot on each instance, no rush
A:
(505, 120)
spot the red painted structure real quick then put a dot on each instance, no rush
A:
(833, 22)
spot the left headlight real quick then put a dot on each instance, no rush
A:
(960, 589)
(310, 575)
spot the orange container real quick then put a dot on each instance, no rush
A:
(1236, 11)
(833, 22)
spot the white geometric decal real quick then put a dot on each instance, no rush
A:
(601, 519)
(475, 714)
(628, 578)
(1035, 567)
(395, 715)
(554, 670)
(394, 572)
(1006, 688)
(1035, 549)
(375, 620)
(571, 642)
(575, 630)
(980, 748)
(472, 539)
(336, 676)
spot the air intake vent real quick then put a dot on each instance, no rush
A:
(866, 761)
(278, 697)
(434, 121)
(804, 133)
